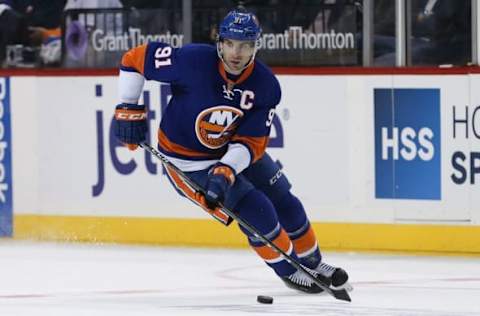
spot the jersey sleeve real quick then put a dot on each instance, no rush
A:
(134, 60)
(254, 132)
(130, 77)
(154, 61)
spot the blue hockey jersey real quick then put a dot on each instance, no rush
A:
(211, 114)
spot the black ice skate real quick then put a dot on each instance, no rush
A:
(301, 282)
(334, 276)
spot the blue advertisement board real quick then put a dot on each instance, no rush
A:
(407, 144)
(5, 160)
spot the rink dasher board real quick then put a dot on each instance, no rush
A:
(325, 136)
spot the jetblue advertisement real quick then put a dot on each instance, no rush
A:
(407, 144)
(5, 160)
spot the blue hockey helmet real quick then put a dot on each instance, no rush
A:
(242, 26)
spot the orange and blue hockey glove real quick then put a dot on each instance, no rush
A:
(220, 178)
(130, 124)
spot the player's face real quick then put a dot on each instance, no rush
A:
(236, 54)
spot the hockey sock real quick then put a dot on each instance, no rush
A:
(258, 210)
(293, 218)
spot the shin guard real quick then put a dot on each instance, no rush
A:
(293, 218)
(257, 209)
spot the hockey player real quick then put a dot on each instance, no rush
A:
(216, 129)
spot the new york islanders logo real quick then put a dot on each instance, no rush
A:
(215, 126)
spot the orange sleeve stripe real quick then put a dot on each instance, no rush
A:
(172, 147)
(135, 58)
(267, 253)
(305, 242)
(257, 145)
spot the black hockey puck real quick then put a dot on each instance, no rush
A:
(264, 299)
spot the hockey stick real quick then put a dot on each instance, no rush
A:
(338, 294)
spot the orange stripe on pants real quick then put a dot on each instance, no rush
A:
(196, 197)
(271, 256)
(305, 242)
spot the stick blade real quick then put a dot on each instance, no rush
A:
(341, 295)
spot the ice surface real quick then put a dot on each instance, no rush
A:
(49, 279)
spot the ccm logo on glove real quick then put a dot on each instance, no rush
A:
(128, 115)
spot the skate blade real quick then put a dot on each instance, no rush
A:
(346, 286)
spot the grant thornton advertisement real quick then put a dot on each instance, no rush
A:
(99, 38)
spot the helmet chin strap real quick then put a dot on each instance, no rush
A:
(227, 68)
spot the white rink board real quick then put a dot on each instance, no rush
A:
(328, 152)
